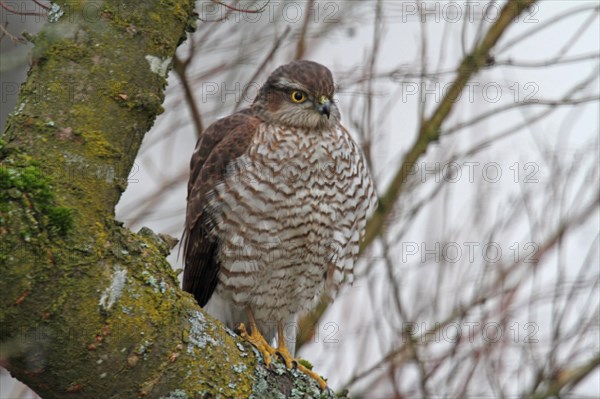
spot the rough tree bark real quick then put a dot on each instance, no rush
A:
(88, 308)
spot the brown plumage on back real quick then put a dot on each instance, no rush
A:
(223, 141)
(278, 199)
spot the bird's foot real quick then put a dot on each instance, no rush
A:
(312, 374)
(258, 341)
(285, 355)
(268, 352)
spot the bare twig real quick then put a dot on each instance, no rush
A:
(247, 10)
(548, 23)
(263, 64)
(44, 6)
(13, 11)
(430, 129)
(180, 66)
(301, 43)
(4, 32)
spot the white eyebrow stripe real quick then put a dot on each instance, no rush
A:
(288, 84)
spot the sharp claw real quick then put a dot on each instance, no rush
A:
(258, 341)
(282, 352)
(241, 330)
(314, 375)
(285, 359)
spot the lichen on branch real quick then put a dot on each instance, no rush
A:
(88, 308)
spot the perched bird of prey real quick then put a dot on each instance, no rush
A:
(278, 199)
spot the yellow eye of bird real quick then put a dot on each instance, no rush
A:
(298, 96)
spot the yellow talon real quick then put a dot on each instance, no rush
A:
(282, 350)
(258, 341)
(290, 362)
(314, 375)
(267, 351)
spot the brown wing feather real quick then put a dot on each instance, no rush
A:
(222, 142)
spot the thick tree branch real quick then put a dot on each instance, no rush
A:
(87, 308)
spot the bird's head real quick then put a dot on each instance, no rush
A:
(299, 94)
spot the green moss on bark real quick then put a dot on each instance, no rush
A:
(87, 308)
(25, 182)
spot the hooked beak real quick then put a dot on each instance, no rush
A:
(324, 106)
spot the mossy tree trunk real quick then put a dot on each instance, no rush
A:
(88, 308)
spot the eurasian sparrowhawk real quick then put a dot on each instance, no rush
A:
(278, 199)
